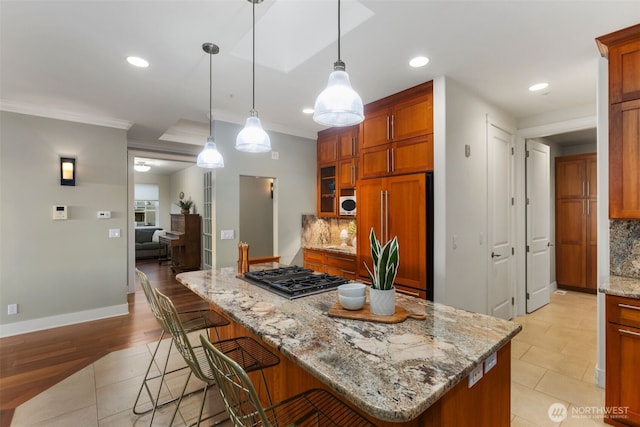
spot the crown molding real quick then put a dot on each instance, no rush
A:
(70, 116)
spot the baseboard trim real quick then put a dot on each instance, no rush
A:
(26, 326)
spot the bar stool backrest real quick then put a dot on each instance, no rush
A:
(180, 339)
(150, 295)
(237, 391)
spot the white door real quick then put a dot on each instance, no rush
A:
(500, 218)
(538, 225)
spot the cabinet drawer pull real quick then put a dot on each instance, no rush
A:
(413, 294)
(624, 331)
(632, 307)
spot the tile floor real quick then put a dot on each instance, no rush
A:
(553, 361)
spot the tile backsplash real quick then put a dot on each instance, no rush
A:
(624, 247)
(323, 231)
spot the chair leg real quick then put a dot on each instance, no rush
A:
(146, 378)
(175, 412)
(164, 372)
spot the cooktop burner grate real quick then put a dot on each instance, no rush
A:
(293, 281)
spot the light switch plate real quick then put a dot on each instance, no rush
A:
(114, 233)
(226, 235)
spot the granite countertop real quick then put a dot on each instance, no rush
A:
(628, 287)
(392, 371)
(347, 249)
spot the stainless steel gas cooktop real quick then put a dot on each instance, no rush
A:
(294, 282)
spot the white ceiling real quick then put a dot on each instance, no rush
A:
(67, 57)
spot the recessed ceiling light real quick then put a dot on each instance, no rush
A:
(142, 167)
(538, 86)
(419, 61)
(308, 110)
(137, 62)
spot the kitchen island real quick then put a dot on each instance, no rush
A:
(409, 373)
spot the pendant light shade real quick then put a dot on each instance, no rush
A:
(253, 139)
(338, 105)
(210, 157)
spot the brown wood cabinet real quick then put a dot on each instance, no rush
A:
(337, 167)
(624, 160)
(576, 222)
(336, 264)
(395, 206)
(397, 134)
(622, 355)
(185, 241)
(622, 48)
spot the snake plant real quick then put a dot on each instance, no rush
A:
(385, 262)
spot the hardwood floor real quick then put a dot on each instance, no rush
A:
(31, 363)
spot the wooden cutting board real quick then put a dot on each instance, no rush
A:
(365, 314)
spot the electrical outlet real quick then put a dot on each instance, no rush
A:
(12, 309)
(275, 155)
(475, 375)
(490, 362)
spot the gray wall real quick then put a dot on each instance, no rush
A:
(295, 184)
(256, 215)
(60, 272)
(460, 118)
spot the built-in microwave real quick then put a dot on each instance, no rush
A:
(347, 205)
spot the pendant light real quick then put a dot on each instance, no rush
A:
(210, 157)
(253, 139)
(338, 105)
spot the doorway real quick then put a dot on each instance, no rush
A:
(257, 215)
(563, 138)
(158, 174)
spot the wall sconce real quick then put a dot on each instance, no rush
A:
(67, 171)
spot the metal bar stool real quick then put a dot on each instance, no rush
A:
(245, 351)
(192, 321)
(314, 407)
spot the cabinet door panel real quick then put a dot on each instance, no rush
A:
(327, 148)
(374, 162)
(413, 156)
(407, 219)
(570, 178)
(592, 177)
(412, 118)
(348, 143)
(570, 242)
(369, 215)
(348, 173)
(623, 370)
(375, 128)
(624, 66)
(624, 161)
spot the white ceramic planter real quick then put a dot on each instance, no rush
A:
(382, 302)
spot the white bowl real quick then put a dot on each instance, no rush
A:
(354, 289)
(351, 303)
